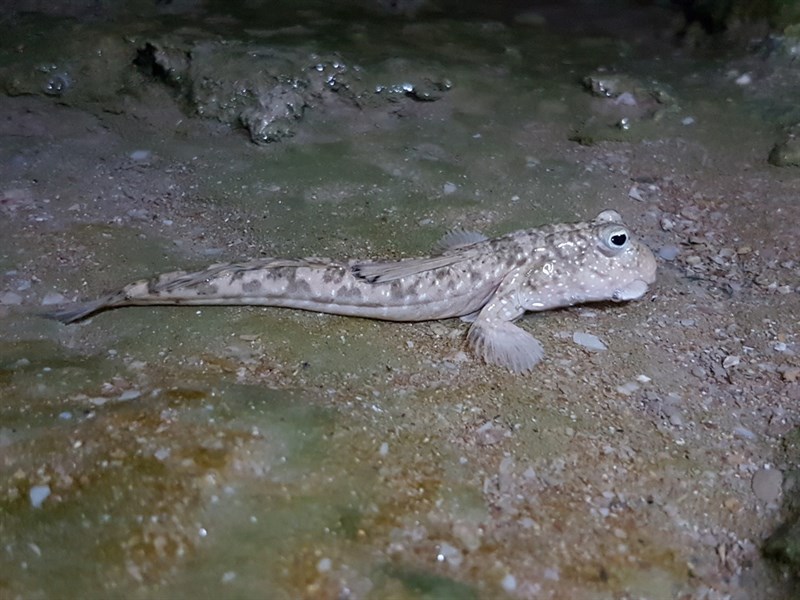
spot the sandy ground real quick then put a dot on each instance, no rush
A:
(244, 452)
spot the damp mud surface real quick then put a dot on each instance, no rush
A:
(177, 452)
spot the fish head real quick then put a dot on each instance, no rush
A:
(597, 261)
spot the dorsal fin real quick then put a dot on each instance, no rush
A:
(458, 238)
(380, 272)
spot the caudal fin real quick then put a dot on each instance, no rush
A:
(75, 312)
(83, 310)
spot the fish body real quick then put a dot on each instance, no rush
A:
(489, 282)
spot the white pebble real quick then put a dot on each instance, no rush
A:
(588, 340)
(626, 389)
(687, 121)
(635, 194)
(668, 252)
(509, 583)
(449, 554)
(324, 565)
(129, 395)
(140, 155)
(10, 298)
(625, 99)
(730, 361)
(52, 298)
(38, 494)
(449, 188)
(384, 449)
(228, 576)
(744, 79)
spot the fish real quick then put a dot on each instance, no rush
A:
(489, 283)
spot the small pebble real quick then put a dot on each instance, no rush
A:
(324, 565)
(730, 361)
(626, 389)
(669, 252)
(140, 155)
(38, 494)
(588, 340)
(635, 194)
(744, 79)
(228, 576)
(10, 298)
(53, 298)
(687, 121)
(449, 554)
(744, 433)
(449, 188)
(129, 395)
(509, 583)
(790, 374)
(767, 484)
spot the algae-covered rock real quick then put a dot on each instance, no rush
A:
(268, 89)
(784, 545)
(86, 65)
(786, 151)
(263, 89)
(621, 105)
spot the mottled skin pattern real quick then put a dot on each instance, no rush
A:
(488, 282)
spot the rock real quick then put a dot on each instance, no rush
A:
(588, 341)
(786, 152)
(784, 545)
(38, 494)
(669, 252)
(10, 298)
(268, 89)
(766, 485)
(53, 298)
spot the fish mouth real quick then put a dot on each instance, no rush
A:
(635, 289)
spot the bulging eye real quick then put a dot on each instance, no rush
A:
(614, 239)
(618, 239)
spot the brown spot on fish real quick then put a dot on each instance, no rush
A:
(298, 287)
(396, 290)
(252, 286)
(347, 293)
(205, 289)
(333, 275)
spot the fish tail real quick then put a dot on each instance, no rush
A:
(83, 310)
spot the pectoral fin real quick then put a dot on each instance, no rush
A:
(458, 238)
(503, 343)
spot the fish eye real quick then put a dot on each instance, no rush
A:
(617, 239)
(614, 239)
